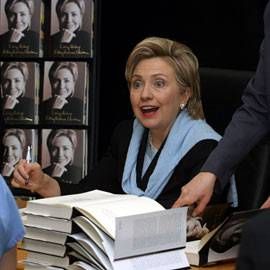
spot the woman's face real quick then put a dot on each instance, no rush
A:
(62, 151)
(19, 17)
(70, 17)
(63, 83)
(155, 95)
(12, 150)
(13, 83)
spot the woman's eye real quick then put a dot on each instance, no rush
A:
(159, 83)
(136, 84)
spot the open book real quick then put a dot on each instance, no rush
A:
(220, 243)
(121, 226)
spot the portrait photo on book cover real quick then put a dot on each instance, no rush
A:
(229, 235)
(14, 145)
(65, 93)
(71, 28)
(20, 28)
(63, 154)
(18, 92)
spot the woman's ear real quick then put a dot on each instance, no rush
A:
(186, 95)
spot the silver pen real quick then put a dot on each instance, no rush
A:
(28, 160)
(28, 154)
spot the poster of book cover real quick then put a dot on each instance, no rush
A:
(14, 145)
(63, 154)
(71, 30)
(20, 28)
(19, 92)
(65, 93)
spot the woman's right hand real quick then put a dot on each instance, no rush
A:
(16, 35)
(67, 36)
(31, 177)
(10, 102)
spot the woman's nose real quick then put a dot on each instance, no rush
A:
(146, 91)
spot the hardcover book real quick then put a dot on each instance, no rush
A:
(65, 93)
(220, 243)
(20, 92)
(63, 154)
(71, 29)
(21, 36)
(15, 144)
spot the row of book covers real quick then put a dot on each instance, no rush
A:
(62, 153)
(55, 28)
(60, 96)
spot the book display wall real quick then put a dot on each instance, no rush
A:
(48, 87)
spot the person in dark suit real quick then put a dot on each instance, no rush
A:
(62, 144)
(163, 147)
(249, 124)
(71, 39)
(62, 106)
(19, 37)
(254, 245)
(15, 105)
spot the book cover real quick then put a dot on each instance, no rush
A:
(20, 92)
(63, 153)
(21, 36)
(71, 28)
(65, 93)
(15, 142)
(220, 243)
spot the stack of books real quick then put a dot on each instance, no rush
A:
(101, 230)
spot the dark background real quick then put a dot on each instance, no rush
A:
(223, 34)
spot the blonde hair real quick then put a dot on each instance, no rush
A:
(182, 60)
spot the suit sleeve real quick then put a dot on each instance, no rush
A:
(250, 122)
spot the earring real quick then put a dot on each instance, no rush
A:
(182, 106)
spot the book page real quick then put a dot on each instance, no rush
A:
(174, 259)
(61, 206)
(152, 232)
(105, 213)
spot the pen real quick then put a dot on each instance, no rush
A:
(28, 160)
(28, 154)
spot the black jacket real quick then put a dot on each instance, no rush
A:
(107, 175)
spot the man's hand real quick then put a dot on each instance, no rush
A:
(198, 192)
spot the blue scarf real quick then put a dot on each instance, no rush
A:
(184, 134)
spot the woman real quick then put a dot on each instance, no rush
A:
(14, 142)
(19, 38)
(11, 228)
(71, 40)
(15, 105)
(164, 146)
(61, 144)
(62, 106)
